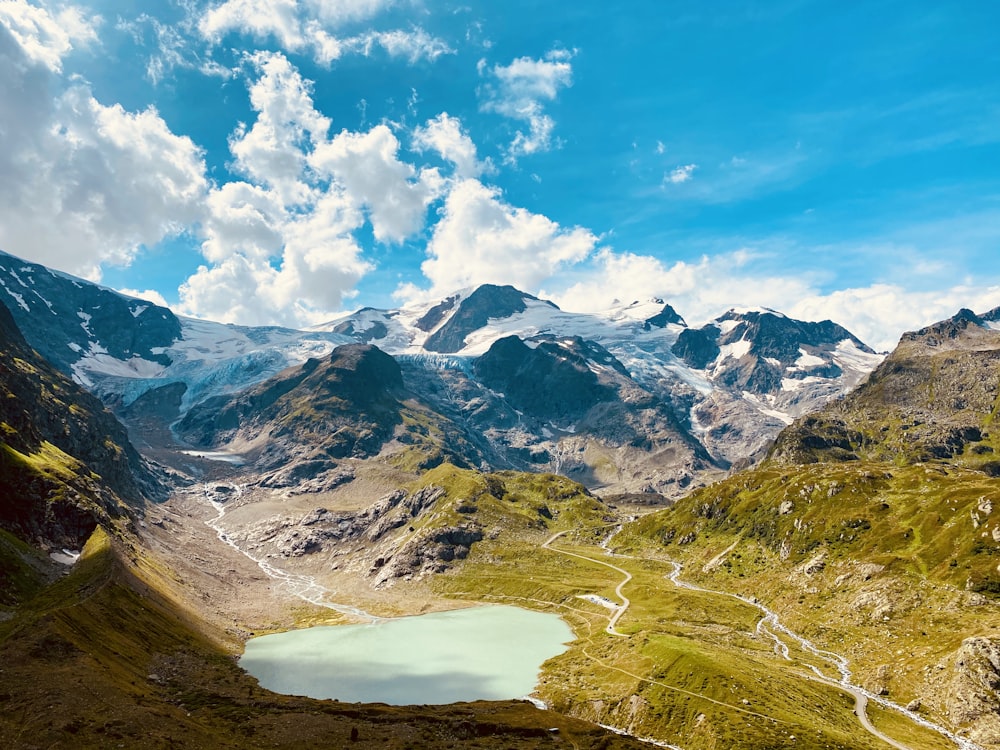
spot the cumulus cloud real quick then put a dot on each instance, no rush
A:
(699, 290)
(273, 150)
(320, 263)
(82, 183)
(45, 38)
(880, 313)
(281, 245)
(313, 27)
(367, 165)
(519, 91)
(445, 135)
(480, 238)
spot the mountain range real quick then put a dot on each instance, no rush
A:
(169, 487)
(631, 400)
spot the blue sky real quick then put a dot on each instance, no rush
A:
(274, 161)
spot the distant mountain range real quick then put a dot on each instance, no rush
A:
(631, 399)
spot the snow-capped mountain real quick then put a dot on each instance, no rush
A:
(732, 383)
(631, 397)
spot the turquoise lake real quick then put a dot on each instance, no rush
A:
(480, 653)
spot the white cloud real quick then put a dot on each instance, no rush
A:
(280, 245)
(172, 48)
(320, 263)
(46, 38)
(414, 45)
(367, 165)
(880, 313)
(480, 238)
(243, 218)
(681, 174)
(313, 26)
(273, 150)
(82, 183)
(698, 290)
(877, 314)
(519, 91)
(444, 134)
(258, 18)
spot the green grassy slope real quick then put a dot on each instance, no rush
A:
(103, 658)
(874, 527)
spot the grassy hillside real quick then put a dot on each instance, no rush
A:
(874, 528)
(102, 658)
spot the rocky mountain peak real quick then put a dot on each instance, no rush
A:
(668, 315)
(487, 302)
(963, 328)
(64, 319)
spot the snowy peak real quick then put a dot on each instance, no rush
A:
(758, 351)
(488, 302)
(66, 319)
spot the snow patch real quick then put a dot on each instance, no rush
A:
(85, 325)
(47, 303)
(807, 360)
(97, 361)
(17, 297)
(66, 556)
(75, 347)
(139, 310)
(793, 385)
(735, 350)
(761, 406)
(727, 325)
(849, 357)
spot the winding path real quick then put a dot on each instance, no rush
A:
(623, 607)
(770, 626)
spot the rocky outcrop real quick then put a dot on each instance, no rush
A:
(973, 696)
(550, 380)
(344, 405)
(428, 552)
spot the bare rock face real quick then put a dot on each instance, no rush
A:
(974, 693)
(430, 552)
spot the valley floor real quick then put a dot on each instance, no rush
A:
(655, 657)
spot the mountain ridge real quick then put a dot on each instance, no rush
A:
(720, 408)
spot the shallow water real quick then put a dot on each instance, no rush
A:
(480, 653)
